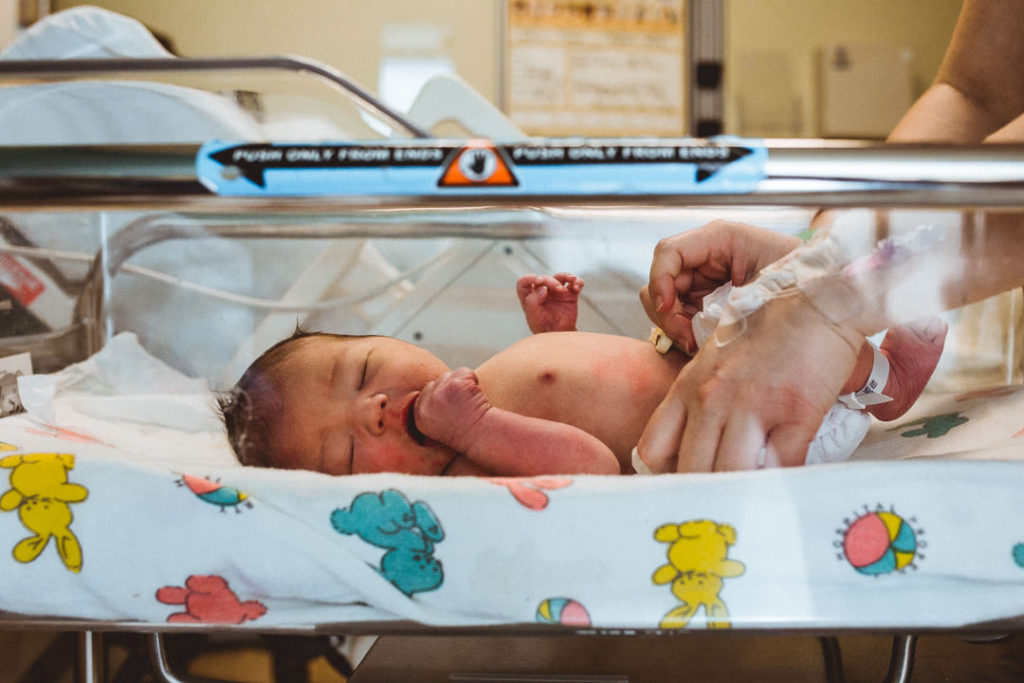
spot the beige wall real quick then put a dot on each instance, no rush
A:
(785, 36)
(345, 34)
(8, 21)
(782, 36)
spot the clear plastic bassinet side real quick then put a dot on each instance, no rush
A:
(206, 283)
(59, 103)
(291, 256)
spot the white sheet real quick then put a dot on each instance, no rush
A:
(170, 537)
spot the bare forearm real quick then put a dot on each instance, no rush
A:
(461, 466)
(964, 263)
(510, 444)
(945, 114)
(980, 85)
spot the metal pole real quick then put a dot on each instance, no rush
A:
(90, 663)
(162, 668)
(901, 663)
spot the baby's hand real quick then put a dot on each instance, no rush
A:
(550, 302)
(448, 408)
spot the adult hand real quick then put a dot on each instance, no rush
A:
(689, 266)
(759, 397)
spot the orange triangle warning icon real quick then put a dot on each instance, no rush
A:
(478, 164)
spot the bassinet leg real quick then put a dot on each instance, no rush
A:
(90, 658)
(162, 668)
(832, 655)
(901, 663)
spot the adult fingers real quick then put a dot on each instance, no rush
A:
(659, 443)
(701, 284)
(675, 323)
(742, 446)
(683, 251)
(709, 252)
(787, 444)
(667, 289)
(667, 266)
(701, 437)
(648, 303)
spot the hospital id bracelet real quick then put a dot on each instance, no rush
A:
(871, 393)
(662, 342)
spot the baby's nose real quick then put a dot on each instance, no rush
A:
(375, 414)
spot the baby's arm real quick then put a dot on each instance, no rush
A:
(462, 466)
(550, 302)
(453, 410)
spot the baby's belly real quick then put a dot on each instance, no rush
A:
(606, 385)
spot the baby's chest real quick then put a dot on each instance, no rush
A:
(579, 391)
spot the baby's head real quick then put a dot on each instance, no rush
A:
(336, 404)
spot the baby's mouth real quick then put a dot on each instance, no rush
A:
(410, 425)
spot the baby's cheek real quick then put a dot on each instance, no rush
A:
(405, 459)
(331, 465)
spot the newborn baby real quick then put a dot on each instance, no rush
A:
(558, 402)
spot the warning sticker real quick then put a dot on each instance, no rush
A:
(478, 163)
(536, 167)
(253, 161)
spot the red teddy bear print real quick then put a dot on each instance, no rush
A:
(209, 600)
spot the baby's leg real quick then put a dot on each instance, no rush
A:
(913, 352)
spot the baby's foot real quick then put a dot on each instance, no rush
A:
(913, 351)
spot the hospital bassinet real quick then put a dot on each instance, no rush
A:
(154, 528)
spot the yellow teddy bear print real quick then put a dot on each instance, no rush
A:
(697, 564)
(41, 494)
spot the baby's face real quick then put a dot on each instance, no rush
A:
(347, 407)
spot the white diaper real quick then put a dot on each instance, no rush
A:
(840, 433)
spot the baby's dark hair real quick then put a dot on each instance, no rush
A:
(249, 408)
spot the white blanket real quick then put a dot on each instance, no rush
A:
(143, 520)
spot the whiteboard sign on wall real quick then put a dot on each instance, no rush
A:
(596, 68)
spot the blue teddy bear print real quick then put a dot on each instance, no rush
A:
(407, 530)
